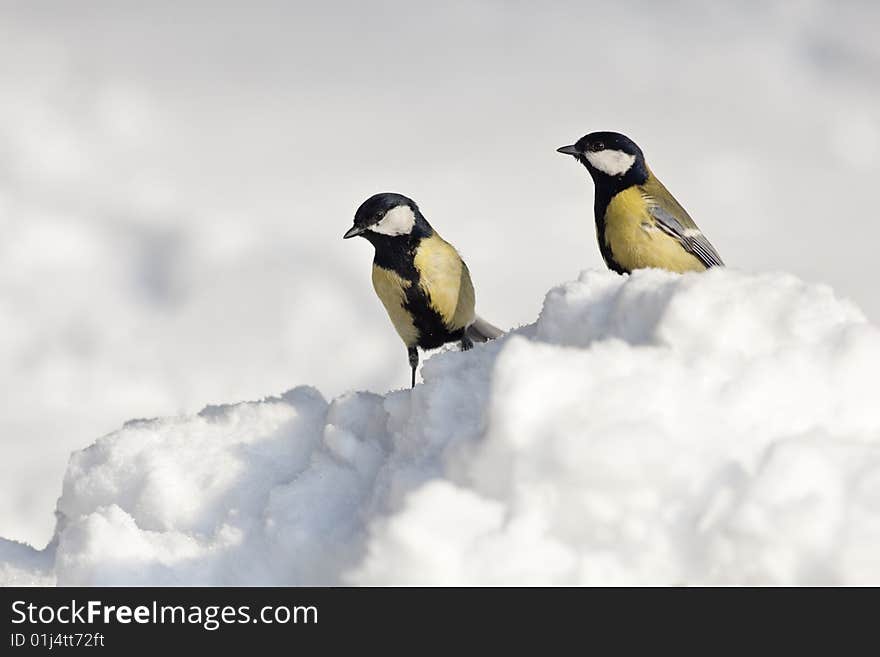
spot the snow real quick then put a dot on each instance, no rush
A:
(715, 428)
(175, 178)
(22, 565)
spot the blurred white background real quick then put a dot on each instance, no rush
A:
(175, 178)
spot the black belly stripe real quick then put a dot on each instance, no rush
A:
(601, 207)
(399, 257)
(432, 331)
(607, 188)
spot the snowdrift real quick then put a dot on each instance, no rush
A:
(651, 429)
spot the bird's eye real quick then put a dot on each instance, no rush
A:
(598, 146)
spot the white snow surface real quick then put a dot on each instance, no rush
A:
(652, 429)
(175, 179)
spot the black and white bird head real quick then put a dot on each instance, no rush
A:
(607, 155)
(387, 216)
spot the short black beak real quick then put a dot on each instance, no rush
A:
(354, 231)
(568, 150)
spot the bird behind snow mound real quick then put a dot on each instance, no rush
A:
(639, 224)
(419, 277)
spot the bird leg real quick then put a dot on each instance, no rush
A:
(413, 362)
(466, 342)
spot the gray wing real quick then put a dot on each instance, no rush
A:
(691, 238)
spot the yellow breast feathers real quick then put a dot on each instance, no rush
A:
(446, 282)
(391, 290)
(635, 240)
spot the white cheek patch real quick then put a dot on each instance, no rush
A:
(611, 162)
(397, 221)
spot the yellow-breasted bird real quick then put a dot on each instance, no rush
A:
(419, 277)
(639, 224)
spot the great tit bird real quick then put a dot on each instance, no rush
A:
(419, 277)
(639, 224)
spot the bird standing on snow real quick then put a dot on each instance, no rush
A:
(419, 277)
(639, 223)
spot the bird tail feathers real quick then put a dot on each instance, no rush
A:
(482, 331)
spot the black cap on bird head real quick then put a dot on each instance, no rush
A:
(608, 155)
(387, 215)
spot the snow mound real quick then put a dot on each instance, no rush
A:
(651, 429)
(22, 565)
